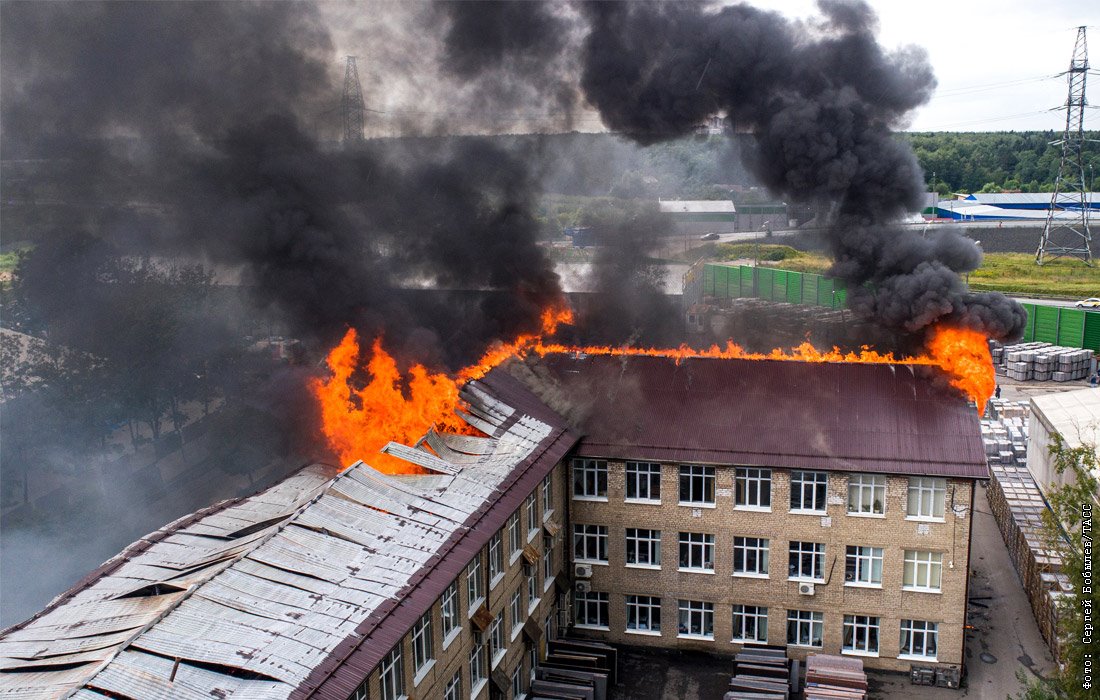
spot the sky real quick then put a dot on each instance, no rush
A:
(996, 62)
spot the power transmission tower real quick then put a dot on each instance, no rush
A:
(353, 106)
(1070, 236)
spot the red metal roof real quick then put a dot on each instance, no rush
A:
(894, 419)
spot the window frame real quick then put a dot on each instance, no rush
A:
(495, 635)
(865, 488)
(636, 543)
(758, 615)
(515, 611)
(931, 630)
(934, 563)
(479, 672)
(596, 538)
(760, 550)
(699, 477)
(453, 689)
(817, 562)
(704, 609)
(532, 506)
(857, 559)
(450, 608)
(547, 496)
(547, 558)
(930, 490)
(496, 560)
(475, 586)
(392, 669)
(758, 477)
(422, 643)
(639, 473)
(593, 477)
(643, 606)
(815, 621)
(515, 540)
(817, 486)
(696, 543)
(597, 601)
(866, 626)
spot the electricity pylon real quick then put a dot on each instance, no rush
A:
(1070, 236)
(353, 106)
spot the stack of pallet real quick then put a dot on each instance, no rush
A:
(1004, 433)
(575, 669)
(1018, 507)
(763, 673)
(829, 677)
(1042, 361)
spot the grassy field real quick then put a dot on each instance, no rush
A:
(783, 257)
(1017, 273)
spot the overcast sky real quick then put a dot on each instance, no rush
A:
(995, 61)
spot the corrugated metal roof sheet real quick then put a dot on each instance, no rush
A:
(837, 416)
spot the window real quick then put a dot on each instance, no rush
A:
(750, 556)
(643, 547)
(547, 557)
(754, 488)
(515, 541)
(532, 589)
(589, 478)
(515, 612)
(590, 543)
(448, 609)
(809, 490)
(807, 561)
(643, 613)
(391, 675)
(805, 628)
(475, 587)
(362, 692)
(477, 668)
(643, 481)
(517, 681)
(918, 638)
(496, 639)
(867, 494)
(422, 642)
(696, 551)
(861, 634)
(547, 497)
(697, 485)
(532, 506)
(696, 619)
(591, 609)
(750, 624)
(926, 494)
(496, 560)
(922, 570)
(453, 691)
(863, 565)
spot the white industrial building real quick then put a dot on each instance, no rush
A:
(1075, 415)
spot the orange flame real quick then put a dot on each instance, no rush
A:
(359, 422)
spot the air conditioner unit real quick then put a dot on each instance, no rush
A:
(806, 588)
(582, 586)
(582, 570)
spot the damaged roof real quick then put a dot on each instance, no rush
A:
(893, 419)
(284, 594)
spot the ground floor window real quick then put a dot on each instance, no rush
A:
(918, 638)
(696, 619)
(805, 628)
(643, 613)
(861, 634)
(750, 623)
(591, 609)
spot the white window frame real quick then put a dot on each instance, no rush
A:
(362, 691)
(475, 586)
(532, 590)
(754, 550)
(796, 552)
(532, 506)
(861, 635)
(752, 489)
(700, 481)
(863, 566)
(453, 690)
(925, 562)
(808, 621)
(449, 611)
(926, 632)
(589, 479)
(391, 675)
(479, 674)
(547, 496)
(644, 479)
(643, 615)
(813, 484)
(497, 647)
(585, 604)
(517, 682)
(422, 646)
(750, 624)
(926, 498)
(515, 611)
(589, 540)
(867, 495)
(645, 548)
(699, 548)
(515, 541)
(547, 559)
(692, 612)
(496, 560)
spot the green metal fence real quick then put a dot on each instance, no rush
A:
(1050, 324)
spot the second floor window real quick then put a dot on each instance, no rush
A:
(926, 497)
(696, 551)
(590, 543)
(807, 561)
(923, 570)
(643, 481)
(643, 547)
(696, 485)
(750, 555)
(863, 565)
(589, 478)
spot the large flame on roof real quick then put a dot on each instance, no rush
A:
(358, 422)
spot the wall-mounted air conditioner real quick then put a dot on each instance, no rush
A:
(582, 570)
(582, 586)
(806, 588)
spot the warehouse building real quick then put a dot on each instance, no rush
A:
(1074, 416)
(709, 504)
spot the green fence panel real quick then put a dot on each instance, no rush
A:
(794, 287)
(1029, 327)
(1092, 331)
(1046, 324)
(765, 282)
(809, 288)
(1071, 327)
(779, 292)
(708, 279)
(722, 282)
(840, 298)
(748, 281)
(825, 289)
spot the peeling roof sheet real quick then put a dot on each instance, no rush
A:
(283, 594)
(894, 419)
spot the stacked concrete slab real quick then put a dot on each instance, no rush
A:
(1042, 361)
(1005, 432)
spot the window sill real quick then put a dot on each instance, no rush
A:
(531, 535)
(600, 628)
(419, 675)
(754, 509)
(546, 515)
(592, 562)
(763, 642)
(917, 657)
(651, 567)
(910, 589)
(881, 516)
(806, 646)
(749, 574)
(857, 584)
(533, 605)
(476, 690)
(547, 583)
(449, 639)
(854, 652)
(682, 570)
(497, 658)
(591, 499)
(644, 633)
(804, 579)
(515, 632)
(687, 504)
(924, 519)
(474, 606)
(815, 513)
(515, 557)
(643, 501)
(704, 637)
(495, 580)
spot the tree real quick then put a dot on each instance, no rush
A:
(1069, 528)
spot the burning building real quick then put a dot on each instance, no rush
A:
(708, 504)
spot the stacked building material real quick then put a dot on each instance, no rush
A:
(1042, 361)
(574, 668)
(763, 673)
(1018, 507)
(1004, 432)
(829, 677)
